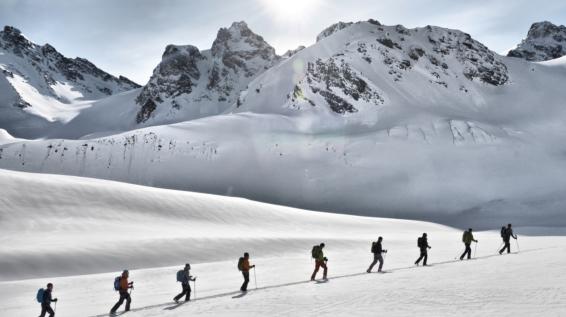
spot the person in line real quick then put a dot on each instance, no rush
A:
(124, 294)
(320, 261)
(467, 238)
(377, 250)
(185, 280)
(506, 234)
(46, 302)
(422, 243)
(244, 266)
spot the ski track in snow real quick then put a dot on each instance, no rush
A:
(72, 225)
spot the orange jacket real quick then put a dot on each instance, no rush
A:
(124, 284)
(246, 265)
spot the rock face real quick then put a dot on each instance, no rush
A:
(188, 83)
(332, 29)
(53, 67)
(545, 41)
(290, 53)
(40, 87)
(355, 73)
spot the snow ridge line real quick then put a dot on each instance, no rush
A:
(174, 305)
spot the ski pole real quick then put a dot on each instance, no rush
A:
(475, 249)
(55, 312)
(499, 249)
(195, 283)
(255, 279)
(456, 257)
(518, 249)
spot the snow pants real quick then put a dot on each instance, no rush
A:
(377, 257)
(318, 265)
(46, 308)
(424, 255)
(506, 246)
(246, 281)
(124, 296)
(186, 292)
(468, 251)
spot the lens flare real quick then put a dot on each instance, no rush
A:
(290, 10)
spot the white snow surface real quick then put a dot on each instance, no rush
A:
(78, 226)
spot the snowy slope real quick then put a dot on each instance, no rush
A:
(73, 225)
(41, 88)
(6, 137)
(545, 41)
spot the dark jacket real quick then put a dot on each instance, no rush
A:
(508, 234)
(378, 248)
(187, 277)
(47, 297)
(423, 245)
(468, 237)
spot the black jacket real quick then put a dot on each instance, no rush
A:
(423, 243)
(378, 248)
(47, 297)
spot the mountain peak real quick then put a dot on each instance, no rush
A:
(187, 80)
(238, 37)
(14, 38)
(12, 30)
(545, 41)
(332, 29)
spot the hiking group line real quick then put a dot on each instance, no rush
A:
(125, 287)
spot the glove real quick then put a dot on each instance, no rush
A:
(253, 265)
(384, 251)
(325, 259)
(430, 247)
(55, 300)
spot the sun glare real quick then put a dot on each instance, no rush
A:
(290, 10)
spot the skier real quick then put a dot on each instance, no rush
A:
(46, 301)
(124, 295)
(318, 255)
(467, 238)
(506, 234)
(422, 243)
(244, 266)
(377, 250)
(185, 277)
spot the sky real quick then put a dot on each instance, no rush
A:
(128, 37)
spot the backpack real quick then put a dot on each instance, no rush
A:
(419, 242)
(315, 251)
(39, 295)
(181, 276)
(241, 264)
(374, 247)
(117, 283)
(503, 232)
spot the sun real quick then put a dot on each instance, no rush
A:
(290, 10)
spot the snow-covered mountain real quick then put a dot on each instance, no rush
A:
(423, 123)
(545, 41)
(190, 84)
(41, 88)
(355, 70)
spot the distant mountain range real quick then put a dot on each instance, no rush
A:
(423, 123)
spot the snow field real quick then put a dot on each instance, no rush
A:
(65, 228)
